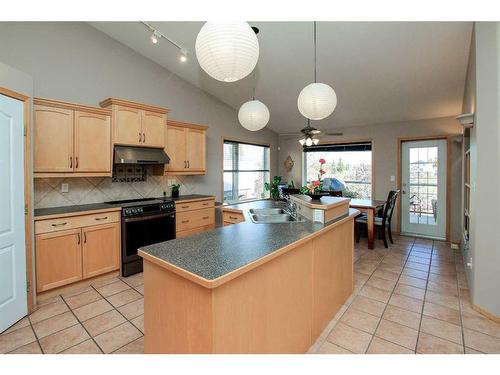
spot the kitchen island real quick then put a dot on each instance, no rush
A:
(249, 287)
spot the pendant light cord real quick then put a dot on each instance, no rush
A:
(254, 84)
(315, 64)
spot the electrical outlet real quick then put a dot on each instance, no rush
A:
(64, 188)
(454, 246)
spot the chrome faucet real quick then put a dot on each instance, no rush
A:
(292, 207)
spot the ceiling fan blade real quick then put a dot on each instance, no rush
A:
(334, 134)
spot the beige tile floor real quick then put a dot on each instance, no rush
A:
(410, 298)
(107, 317)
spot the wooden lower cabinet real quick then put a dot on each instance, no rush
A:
(232, 217)
(194, 217)
(100, 245)
(88, 249)
(279, 304)
(58, 259)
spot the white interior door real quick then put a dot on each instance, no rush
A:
(13, 299)
(423, 188)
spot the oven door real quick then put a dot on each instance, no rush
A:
(145, 230)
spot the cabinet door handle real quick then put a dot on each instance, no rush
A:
(185, 164)
(143, 137)
(59, 225)
(184, 206)
(140, 137)
(79, 240)
(184, 221)
(188, 163)
(76, 162)
(71, 161)
(101, 218)
(205, 204)
(205, 217)
(232, 217)
(84, 237)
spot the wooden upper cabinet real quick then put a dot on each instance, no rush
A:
(153, 129)
(53, 139)
(71, 140)
(186, 147)
(101, 249)
(176, 148)
(92, 142)
(196, 155)
(127, 126)
(58, 258)
(136, 124)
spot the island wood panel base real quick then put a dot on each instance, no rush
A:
(281, 306)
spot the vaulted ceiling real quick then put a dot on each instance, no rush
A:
(381, 71)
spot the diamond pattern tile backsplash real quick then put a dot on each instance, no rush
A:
(86, 190)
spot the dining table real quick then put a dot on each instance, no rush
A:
(370, 207)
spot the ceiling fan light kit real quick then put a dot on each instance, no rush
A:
(227, 51)
(309, 133)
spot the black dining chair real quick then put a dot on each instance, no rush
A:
(381, 223)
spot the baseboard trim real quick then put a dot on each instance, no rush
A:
(44, 296)
(486, 313)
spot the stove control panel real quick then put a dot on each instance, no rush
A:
(148, 209)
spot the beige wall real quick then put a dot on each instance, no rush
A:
(485, 168)
(77, 63)
(384, 137)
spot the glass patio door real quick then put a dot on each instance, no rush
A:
(423, 188)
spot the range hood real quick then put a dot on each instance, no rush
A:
(140, 155)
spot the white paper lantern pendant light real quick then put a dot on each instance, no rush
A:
(227, 51)
(253, 115)
(316, 101)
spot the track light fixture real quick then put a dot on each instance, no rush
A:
(156, 36)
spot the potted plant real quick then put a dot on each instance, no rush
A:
(273, 187)
(175, 190)
(314, 188)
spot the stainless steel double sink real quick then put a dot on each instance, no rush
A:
(273, 215)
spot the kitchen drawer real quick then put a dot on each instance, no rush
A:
(63, 223)
(189, 206)
(232, 217)
(194, 219)
(101, 218)
(54, 225)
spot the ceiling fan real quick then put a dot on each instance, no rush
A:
(311, 133)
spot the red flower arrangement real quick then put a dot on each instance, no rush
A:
(316, 186)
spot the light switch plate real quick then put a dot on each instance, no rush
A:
(64, 188)
(393, 178)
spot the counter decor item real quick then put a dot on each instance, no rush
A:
(314, 188)
(273, 187)
(175, 190)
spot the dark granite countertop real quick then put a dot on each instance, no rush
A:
(102, 206)
(215, 253)
(71, 209)
(190, 197)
